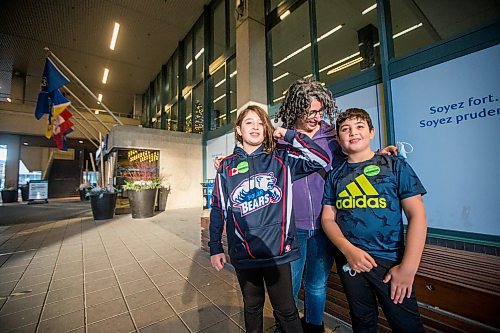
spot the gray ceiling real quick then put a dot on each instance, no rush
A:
(79, 33)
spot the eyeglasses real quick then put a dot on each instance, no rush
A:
(314, 113)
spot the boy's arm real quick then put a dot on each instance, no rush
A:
(307, 157)
(217, 220)
(402, 275)
(359, 260)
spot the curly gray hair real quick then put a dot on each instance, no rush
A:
(298, 100)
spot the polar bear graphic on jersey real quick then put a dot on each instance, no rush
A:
(256, 192)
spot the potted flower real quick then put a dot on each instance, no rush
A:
(83, 189)
(142, 184)
(102, 201)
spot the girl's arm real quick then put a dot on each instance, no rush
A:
(217, 221)
(306, 157)
(402, 275)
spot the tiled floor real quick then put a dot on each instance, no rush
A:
(120, 275)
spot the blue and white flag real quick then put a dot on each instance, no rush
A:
(52, 80)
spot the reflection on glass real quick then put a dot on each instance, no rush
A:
(188, 125)
(218, 115)
(199, 51)
(219, 32)
(188, 60)
(355, 27)
(232, 89)
(198, 108)
(174, 116)
(291, 49)
(419, 23)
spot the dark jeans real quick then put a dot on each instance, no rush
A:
(278, 282)
(363, 290)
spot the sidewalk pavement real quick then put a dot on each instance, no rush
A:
(121, 275)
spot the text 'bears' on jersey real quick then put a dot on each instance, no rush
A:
(256, 192)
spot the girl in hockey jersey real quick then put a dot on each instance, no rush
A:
(253, 197)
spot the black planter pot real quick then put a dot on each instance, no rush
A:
(162, 199)
(83, 195)
(25, 192)
(103, 208)
(9, 196)
(142, 203)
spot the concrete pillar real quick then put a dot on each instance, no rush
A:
(251, 54)
(13, 143)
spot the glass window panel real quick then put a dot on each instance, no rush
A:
(418, 23)
(291, 49)
(168, 112)
(218, 115)
(198, 108)
(174, 118)
(232, 89)
(188, 59)
(343, 23)
(188, 127)
(170, 79)
(175, 78)
(276, 3)
(232, 24)
(219, 36)
(199, 51)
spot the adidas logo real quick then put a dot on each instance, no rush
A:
(353, 196)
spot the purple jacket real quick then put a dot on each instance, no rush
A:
(308, 191)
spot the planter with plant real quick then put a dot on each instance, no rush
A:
(9, 194)
(142, 183)
(83, 189)
(102, 197)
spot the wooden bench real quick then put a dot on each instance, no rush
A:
(458, 291)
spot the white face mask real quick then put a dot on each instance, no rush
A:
(404, 148)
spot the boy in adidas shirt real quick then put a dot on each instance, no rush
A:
(362, 216)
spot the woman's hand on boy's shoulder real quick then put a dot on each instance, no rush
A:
(389, 150)
(279, 133)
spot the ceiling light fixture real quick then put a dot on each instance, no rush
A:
(99, 99)
(285, 14)
(281, 76)
(96, 111)
(278, 99)
(339, 62)
(219, 98)
(224, 80)
(344, 66)
(328, 33)
(407, 30)
(105, 76)
(369, 9)
(115, 36)
(80, 141)
(190, 63)
(25, 143)
(199, 54)
(9, 100)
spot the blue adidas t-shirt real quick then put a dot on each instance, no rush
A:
(368, 197)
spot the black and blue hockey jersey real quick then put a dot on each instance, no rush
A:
(252, 196)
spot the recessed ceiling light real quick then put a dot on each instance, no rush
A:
(80, 141)
(99, 99)
(9, 100)
(105, 76)
(96, 111)
(285, 14)
(25, 143)
(115, 36)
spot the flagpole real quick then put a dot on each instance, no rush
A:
(86, 107)
(51, 54)
(80, 129)
(81, 115)
(86, 130)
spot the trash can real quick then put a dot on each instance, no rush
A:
(208, 186)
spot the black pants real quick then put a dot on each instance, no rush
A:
(278, 281)
(363, 290)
